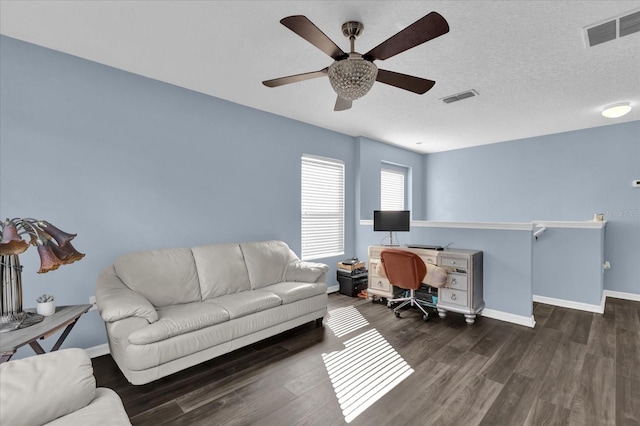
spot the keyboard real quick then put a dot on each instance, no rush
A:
(426, 247)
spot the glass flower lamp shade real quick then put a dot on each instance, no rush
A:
(54, 249)
(11, 241)
(353, 77)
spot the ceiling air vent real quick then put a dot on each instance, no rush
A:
(613, 28)
(460, 96)
(602, 33)
(630, 24)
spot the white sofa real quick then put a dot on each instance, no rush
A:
(57, 388)
(166, 310)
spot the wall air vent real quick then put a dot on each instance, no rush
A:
(612, 29)
(460, 96)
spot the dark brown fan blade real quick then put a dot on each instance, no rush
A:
(342, 104)
(429, 27)
(403, 81)
(302, 26)
(295, 78)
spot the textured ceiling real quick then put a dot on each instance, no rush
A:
(527, 60)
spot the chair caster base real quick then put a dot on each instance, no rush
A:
(397, 314)
(425, 318)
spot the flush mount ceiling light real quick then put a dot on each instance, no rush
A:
(616, 110)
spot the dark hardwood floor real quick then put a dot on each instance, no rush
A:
(573, 368)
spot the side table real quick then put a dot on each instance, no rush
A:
(65, 316)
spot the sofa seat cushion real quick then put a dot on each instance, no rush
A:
(294, 291)
(179, 319)
(105, 410)
(246, 303)
(142, 357)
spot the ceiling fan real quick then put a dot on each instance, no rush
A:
(352, 74)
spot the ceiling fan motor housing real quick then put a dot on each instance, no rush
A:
(352, 29)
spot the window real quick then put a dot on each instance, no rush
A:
(322, 207)
(392, 189)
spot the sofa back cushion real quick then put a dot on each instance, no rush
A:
(267, 262)
(164, 277)
(221, 270)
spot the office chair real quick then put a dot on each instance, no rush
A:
(407, 270)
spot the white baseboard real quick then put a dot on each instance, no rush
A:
(333, 289)
(513, 318)
(585, 306)
(96, 351)
(599, 309)
(621, 295)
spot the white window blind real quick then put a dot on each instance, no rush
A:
(392, 190)
(322, 207)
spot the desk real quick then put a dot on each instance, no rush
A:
(463, 290)
(65, 316)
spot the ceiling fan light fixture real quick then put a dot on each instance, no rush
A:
(353, 77)
(616, 110)
(352, 74)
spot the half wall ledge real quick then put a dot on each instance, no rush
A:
(507, 226)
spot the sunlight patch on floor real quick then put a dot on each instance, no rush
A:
(364, 372)
(343, 321)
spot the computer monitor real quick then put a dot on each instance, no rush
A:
(391, 221)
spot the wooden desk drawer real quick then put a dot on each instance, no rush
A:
(452, 261)
(429, 259)
(457, 281)
(379, 283)
(375, 252)
(374, 267)
(453, 297)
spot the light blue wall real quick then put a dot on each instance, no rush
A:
(567, 176)
(130, 163)
(556, 266)
(372, 155)
(507, 260)
(506, 257)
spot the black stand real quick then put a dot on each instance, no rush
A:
(350, 284)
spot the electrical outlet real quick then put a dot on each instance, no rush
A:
(92, 300)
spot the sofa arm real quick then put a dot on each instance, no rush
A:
(116, 301)
(41, 388)
(119, 331)
(309, 272)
